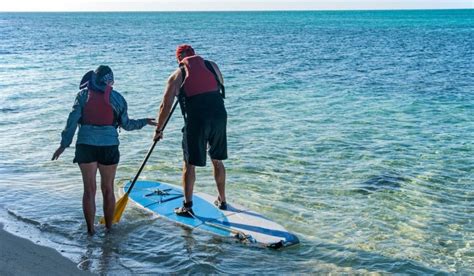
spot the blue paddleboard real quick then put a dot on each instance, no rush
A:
(237, 222)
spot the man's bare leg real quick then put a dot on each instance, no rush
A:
(219, 176)
(189, 177)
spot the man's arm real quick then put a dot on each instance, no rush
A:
(219, 74)
(171, 91)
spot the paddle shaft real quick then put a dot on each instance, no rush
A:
(150, 150)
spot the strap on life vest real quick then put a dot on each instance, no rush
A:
(211, 68)
(182, 95)
(107, 92)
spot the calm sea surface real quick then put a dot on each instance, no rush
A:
(354, 130)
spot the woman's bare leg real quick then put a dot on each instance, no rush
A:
(89, 172)
(107, 177)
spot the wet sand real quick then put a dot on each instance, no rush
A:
(20, 256)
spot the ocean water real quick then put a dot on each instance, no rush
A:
(353, 130)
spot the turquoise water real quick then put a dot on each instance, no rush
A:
(353, 130)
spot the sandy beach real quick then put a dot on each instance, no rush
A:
(20, 256)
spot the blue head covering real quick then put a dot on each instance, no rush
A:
(90, 81)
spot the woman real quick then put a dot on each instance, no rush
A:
(99, 111)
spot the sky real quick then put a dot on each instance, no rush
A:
(228, 5)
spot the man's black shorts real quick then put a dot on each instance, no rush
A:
(104, 155)
(205, 128)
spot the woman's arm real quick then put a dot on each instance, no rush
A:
(125, 122)
(71, 125)
(73, 119)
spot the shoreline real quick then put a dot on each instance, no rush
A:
(20, 256)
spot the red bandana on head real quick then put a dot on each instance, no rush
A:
(183, 51)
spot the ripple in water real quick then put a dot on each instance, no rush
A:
(351, 129)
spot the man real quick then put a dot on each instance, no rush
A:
(198, 84)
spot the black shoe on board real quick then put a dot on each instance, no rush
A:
(220, 204)
(186, 210)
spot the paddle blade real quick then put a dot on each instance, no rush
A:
(119, 208)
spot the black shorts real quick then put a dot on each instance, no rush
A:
(104, 155)
(202, 135)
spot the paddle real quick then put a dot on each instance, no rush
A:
(122, 202)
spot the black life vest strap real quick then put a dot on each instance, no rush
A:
(116, 120)
(211, 68)
(182, 94)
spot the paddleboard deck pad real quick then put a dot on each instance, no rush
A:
(237, 221)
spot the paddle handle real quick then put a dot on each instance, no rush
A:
(150, 150)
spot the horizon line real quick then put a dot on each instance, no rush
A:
(256, 10)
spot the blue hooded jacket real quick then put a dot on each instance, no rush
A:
(98, 135)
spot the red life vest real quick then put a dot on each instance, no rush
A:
(199, 79)
(98, 110)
